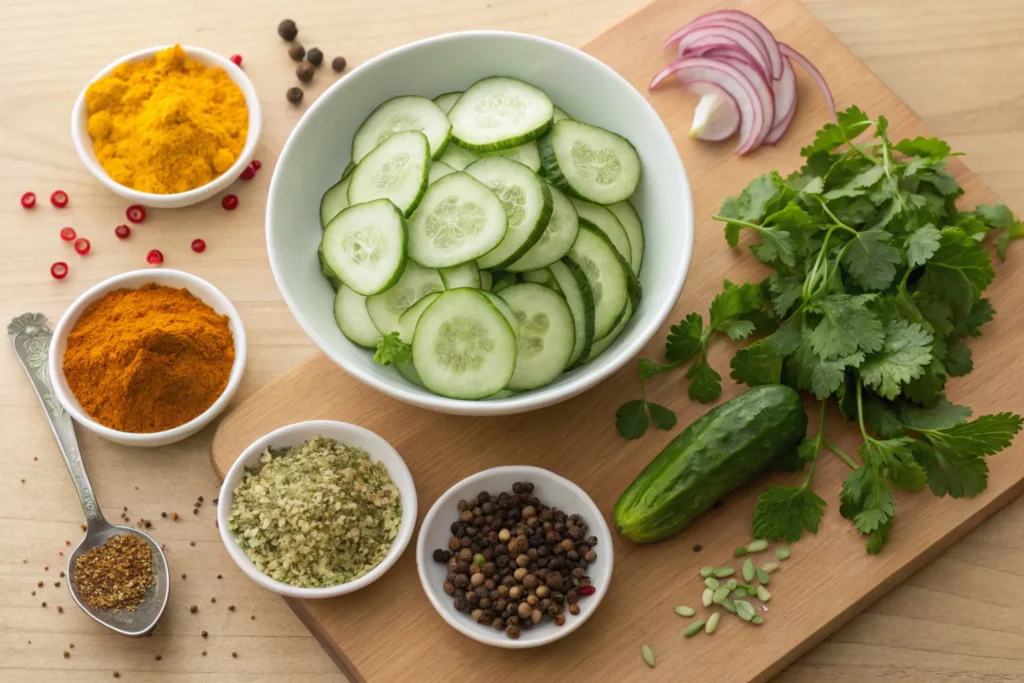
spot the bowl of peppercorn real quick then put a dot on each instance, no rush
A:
(515, 557)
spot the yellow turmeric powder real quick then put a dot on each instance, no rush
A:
(166, 124)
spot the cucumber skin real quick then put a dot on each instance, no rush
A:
(550, 170)
(326, 271)
(588, 301)
(720, 451)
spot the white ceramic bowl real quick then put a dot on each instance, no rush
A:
(294, 435)
(202, 290)
(318, 150)
(83, 141)
(552, 490)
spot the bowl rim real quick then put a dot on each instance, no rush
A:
(82, 140)
(537, 398)
(487, 636)
(198, 287)
(332, 429)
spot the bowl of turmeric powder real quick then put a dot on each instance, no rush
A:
(147, 358)
(168, 126)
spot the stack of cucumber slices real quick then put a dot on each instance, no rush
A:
(486, 233)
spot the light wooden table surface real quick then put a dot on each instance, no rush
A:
(956, 63)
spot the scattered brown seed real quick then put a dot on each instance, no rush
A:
(193, 609)
(184, 576)
(195, 511)
(204, 653)
(338, 64)
(174, 516)
(33, 592)
(84, 527)
(163, 514)
(287, 29)
(117, 675)
(297, 52)
(72, 646)
(60, 609)
(253, 617)
(44, 604)
(213, 599)
(159, 657)
(46, 567)
(62, 575)
(204, 634)
(304, 72)
(192, 543)
(235, 655)
(219, 576)
(294, 95)
(67, 542)
(57, 584)
(66, 654)
(216, 500)
(231, 608)
(39, 583)
(315, 56)
(200, 499)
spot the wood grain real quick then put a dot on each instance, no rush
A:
(946, 623)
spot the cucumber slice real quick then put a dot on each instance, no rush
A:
(408, 371)
(447, 100)
(459, 220)
(498, 113)
(397, 170)
(347, 171)
(589, 162)
(606, 274)
(559, 115)
(407, 113)
(502, 279)
(505, 310)
(630, 221)
(601, 346)
(546, 334)
(407, 321)
(527, 202)
(334, 201)
(486, 280)
(463, 346)
(365, 246)
(352, 318)
(325, 269)
(386, 308)
(528, 155)
(438, 170)
(504, 393)
(576, 291)
(458, 157)
(543, 277)
(463, 275)
(604, 220)
(557, 237)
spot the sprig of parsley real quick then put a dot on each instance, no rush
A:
(391, 350)
(877, 287)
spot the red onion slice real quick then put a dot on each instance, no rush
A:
(812, 70)
(733, 81)
(717, 115)
(785, 93)
(732, 34)
(765, 96)
(772, 46)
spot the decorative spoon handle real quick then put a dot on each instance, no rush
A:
(31, 337)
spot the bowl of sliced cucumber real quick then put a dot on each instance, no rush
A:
(480, 223)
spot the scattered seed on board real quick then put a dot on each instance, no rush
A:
(707, 571)
(749, 572)
(648, 654)
(763, 595)
(739, 592)
(731, 584)
(685, 611)
(755, 546)
(708, 598)
(782, 553)
(694, 628)
(712, 583)
(769, 567)
(719, 595)
(763, 577)
(744, 610)
(729, 605)
(723, 572)
(712, 624)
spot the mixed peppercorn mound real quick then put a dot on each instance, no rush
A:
(514, 561)
(116, 575)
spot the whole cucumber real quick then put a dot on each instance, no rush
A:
(714, 455)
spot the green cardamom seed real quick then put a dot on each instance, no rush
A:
(782, 553)
(769, 567)
(712, 623)
(760, 545)
(749, 572)
(763, 595)
(763, 577)
(694, 628)
(729, 605)
(719, 595)
(705, 572)
(723, 572)
(744, 610)
(685, 611)
(711, 582)
(648, 654)
(707, 598)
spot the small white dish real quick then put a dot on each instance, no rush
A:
(294, 435)
(83, 141)
(552, 490)
(318, 149)
(202, 290)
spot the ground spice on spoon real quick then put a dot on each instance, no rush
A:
(116, 575)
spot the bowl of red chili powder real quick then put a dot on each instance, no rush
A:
(147, 358)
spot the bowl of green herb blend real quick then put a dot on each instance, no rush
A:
(317, 509)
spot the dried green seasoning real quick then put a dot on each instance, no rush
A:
(316, 515)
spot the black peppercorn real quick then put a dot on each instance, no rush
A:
(338, 64)
(287, 29)
(304, 72)
(315, 56)
(297, 52)
(441, 556)
(294, 95)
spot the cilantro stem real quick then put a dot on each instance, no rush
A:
(838, 223)
(860, 411)
(851, 463)
(817, 445)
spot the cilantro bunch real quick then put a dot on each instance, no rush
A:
(878, 284)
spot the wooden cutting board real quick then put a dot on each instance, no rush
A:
(390, 632)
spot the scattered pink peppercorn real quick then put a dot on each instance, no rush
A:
(59, 270)
(82, 246)
(136, 213)
(256, 165)
(122, 231)
(28, 200)
(155, 257)
(59, 198)
(236, 60)
(68, 234)
(248, 173)
(198, 246)
(586, 590)
(230, 202)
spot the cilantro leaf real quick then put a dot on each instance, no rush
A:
(970, 324)
(821, 377)
(871, 260)
(757, 364)
(847, 325)
(958, 272)
(855, 186)
(957, 475)
(921, 244)
(662, 417)
(895, 461)
(943, 414)
(1000, 217)
(753, 203)
(1015, 232)
(932, 148)
(903, 357)
(685, 339)
(649, 368)
(737, 329)
(881, 419)
(986, 435)
(866, 499)
(927, 389)
(879, 537)
(391, 350)
(958, 359)
(705, 383)
(776, 245)
(631, 419)
(783, 513)
(734, 302)
(785, 291)
(849, 124)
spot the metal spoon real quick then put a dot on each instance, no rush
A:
(31, 338)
